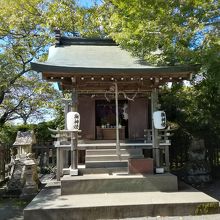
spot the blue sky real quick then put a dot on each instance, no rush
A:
(88, 3)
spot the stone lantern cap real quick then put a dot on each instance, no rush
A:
(29, 162)
(25, 138)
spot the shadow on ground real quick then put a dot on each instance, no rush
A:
(212, 189)
(12, 208)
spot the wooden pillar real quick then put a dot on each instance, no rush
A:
(74, 100)
(67, 103)
(117, 120)
(74, 135)
(155, 137)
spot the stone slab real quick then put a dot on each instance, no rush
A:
(50, 205)
(106, 164)
(109, 170)
(104, 183)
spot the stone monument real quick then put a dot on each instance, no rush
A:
(197, 168)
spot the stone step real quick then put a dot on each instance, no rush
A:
(91, 158)
(113, 151)
(107, 164)
(123, 182)
(109, 170)
(48, 204)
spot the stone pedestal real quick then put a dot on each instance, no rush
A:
(24, 178)
(16, 181)
(31, 178)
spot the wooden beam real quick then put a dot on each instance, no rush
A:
(118, 76)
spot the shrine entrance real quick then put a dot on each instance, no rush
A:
(105, 115)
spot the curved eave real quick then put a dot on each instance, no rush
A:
(44, 67)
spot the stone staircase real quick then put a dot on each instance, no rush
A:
(105, 160)
(105, 190)
(117, 196)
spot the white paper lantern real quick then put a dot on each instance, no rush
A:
(73, 120)
(159, 118)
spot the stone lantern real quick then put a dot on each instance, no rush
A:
(24, 178)
(24, 142)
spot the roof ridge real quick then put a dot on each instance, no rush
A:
(86, 41)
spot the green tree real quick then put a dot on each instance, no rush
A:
(195, 112)
(71, 18)
(26, 31)
(180, 31)
(31, 100)
(172, 33)
(23, 39)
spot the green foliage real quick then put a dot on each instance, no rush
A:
(23, 39)
(195, 111)
(198, 104)
(8, 132)
(161, 32)
(7, 135)
(70, 18)
(42, 132)
(26, 32)
(179, 149)
(183, 31)
(31, 100)
(208, 208)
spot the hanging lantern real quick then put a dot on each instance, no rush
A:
(73, 120)
(159, 118)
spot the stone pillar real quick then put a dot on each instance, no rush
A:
(197, 167)
(58, 164)
(155, 136)
(67, 108)
(167, 158)
(74, 161)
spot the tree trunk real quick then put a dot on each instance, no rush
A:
(3, 119)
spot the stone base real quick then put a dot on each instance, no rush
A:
(50, 205)
(29, 190)
(71, 172)
(74, 172)
(104, 183)
(140, 165)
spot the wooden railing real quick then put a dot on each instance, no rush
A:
(163, 136)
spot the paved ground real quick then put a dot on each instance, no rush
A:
(12, 209)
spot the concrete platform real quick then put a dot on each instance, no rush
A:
(104, 183)
(50, 205)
